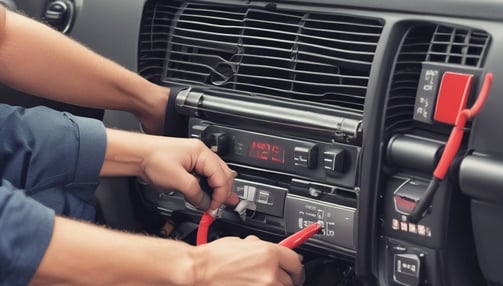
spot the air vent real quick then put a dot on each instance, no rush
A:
(315, 57)
(458, 46)
(428, 43)
(154, 35)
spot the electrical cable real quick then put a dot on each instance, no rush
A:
(291, 242)
(451, 149)
(204, 226)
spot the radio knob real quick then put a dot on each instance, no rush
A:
(218, 143)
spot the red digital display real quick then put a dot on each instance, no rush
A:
(266, 151)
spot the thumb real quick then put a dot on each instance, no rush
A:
(192, 191)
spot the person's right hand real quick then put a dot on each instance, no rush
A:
(233, 261)
(169, 163)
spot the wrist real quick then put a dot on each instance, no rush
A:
(198, 257)
(182, 271)
(124, 154)
(150, 107)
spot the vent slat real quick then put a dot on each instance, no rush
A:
(213, 30)
(313, 57)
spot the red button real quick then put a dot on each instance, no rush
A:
(452, 96)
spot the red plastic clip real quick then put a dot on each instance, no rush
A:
(452, 96)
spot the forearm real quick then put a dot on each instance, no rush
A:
(84, 254)
(38, 60)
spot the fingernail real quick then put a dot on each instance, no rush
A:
(301, 258)
(234, 173)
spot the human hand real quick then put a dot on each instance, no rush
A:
(172, 162)
(250, 261)
(169, 164)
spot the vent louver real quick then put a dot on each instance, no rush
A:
(289, 54)
(154, 35)
(457, 46)
(428, 43)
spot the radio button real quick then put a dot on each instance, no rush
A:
(197, 131)
(333, 160)
(304, 157)
(218, 143)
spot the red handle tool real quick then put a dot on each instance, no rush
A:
(291, 242)
(301, 236)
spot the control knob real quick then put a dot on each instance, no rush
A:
(59, 14)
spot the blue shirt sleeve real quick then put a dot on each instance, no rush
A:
(46, 158)
(54, 156)
(25, 232)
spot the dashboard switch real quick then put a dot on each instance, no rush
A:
(304, 157)
(60, 14)
(333, 160)
(406, 196)
(218, 143)
(198, 131)
(406, 269)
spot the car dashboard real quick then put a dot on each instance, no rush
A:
(331, 112)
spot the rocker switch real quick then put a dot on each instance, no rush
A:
(406, 269)
(304, 157)
(333, 160)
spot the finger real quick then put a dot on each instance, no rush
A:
(219, 196)
(219, 177)
(232, 199)
(252, 237)
(284, 278)
(204, 203)
(222, 181)
(189, 185)
(290, 262)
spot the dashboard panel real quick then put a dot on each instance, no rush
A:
(328, 112)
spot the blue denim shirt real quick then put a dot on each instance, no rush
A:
(49, 163)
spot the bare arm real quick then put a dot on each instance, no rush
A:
(84, 254)
(41, 61)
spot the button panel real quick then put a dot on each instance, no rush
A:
(324, 162)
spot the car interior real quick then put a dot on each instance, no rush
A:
(371, 118)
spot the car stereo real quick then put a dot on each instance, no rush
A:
(297, 163)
